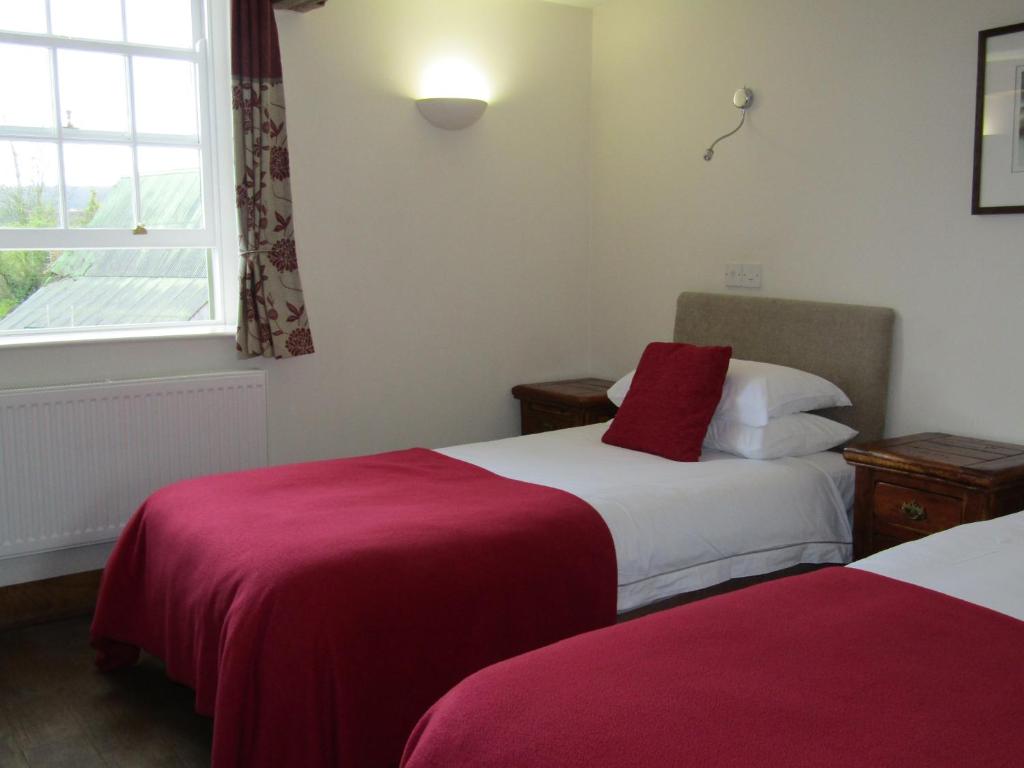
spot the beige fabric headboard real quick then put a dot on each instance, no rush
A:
(847, 344)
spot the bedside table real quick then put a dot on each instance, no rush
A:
(909, 487)
(559, 404)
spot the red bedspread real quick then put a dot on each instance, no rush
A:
(836, 668)
(319, 609)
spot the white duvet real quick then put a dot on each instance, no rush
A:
(678, 526)
(982, 563)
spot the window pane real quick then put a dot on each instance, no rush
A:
(26, 100)
(160, 22)
(165, 96)
(23, 16)
(72, 289)
(93, 91)
(172, 195)
(29, 193)
(95, 19)
(98, 178)
(22, 274)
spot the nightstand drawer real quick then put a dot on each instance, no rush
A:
(915, 510)
(545, 417)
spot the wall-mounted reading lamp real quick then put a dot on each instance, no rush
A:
(742, 100)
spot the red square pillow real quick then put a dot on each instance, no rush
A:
(674, 393)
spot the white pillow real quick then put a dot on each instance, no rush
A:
(756, 392)
(617, 391)
(797, 434)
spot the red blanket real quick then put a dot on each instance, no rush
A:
(836, 668)
(319, 609)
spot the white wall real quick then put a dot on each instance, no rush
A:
(850, 182)
(440, 268)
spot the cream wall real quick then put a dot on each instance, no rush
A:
(850, 182)
(440, 268)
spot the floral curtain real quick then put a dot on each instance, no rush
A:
(272, 319)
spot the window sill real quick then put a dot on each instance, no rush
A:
(163, 333)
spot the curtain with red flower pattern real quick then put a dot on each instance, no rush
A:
(272, 320)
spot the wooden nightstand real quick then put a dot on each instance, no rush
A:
(909, 487)
(559, 404)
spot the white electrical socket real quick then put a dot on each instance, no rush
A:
(742, 275)
(732, 275)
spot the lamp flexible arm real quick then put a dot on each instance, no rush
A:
(742, 100)
(710, 151)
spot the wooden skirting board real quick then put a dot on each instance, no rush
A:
(36, 602)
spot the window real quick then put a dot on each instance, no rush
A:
(112, 212)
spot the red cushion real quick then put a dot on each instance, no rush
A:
(669, 406)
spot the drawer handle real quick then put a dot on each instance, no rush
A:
(913, 511)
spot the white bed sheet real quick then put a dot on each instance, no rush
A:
(982, 563)
(679, 526)
(842, 474)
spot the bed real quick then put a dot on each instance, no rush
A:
(319, 609)
(739, 518)
(911, 657)
(683, 527)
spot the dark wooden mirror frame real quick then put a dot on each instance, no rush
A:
(979, 120)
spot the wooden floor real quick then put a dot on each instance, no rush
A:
(56, 710)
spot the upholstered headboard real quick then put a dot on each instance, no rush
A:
(847, 344)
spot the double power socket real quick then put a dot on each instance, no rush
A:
(742, 275)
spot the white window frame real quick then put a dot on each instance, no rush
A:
(211, 25)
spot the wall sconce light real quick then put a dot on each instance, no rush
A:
(453, 95)
(451, 113)
(742, 100)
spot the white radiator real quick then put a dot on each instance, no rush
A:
(76, 461)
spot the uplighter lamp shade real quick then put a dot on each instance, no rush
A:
(451, 113)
